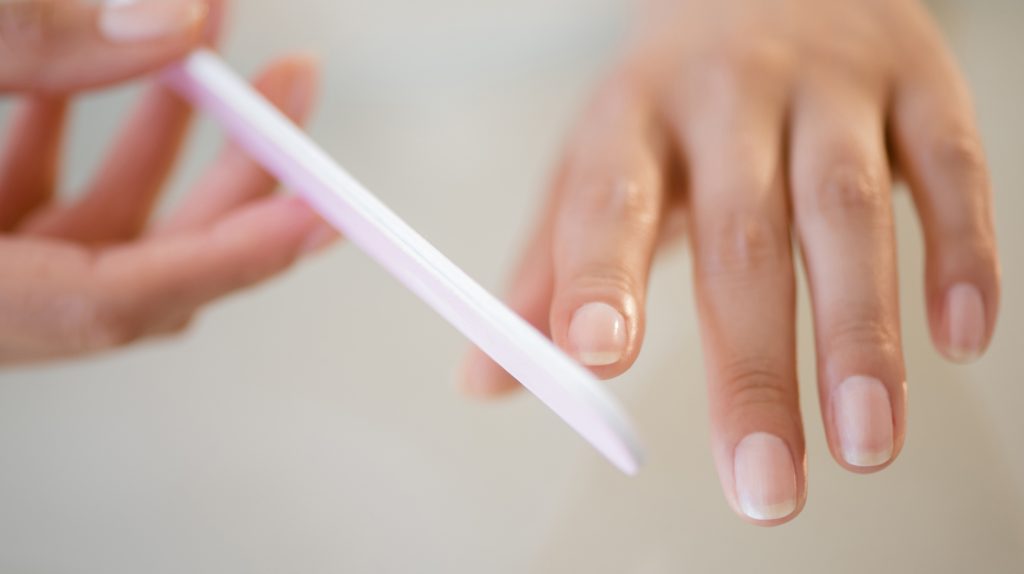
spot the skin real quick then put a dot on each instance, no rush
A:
(751, 122)
(97, 272)
(756, 123)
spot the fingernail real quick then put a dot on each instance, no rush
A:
(318, 239)
(765, 477)
(965, 320)
(125, 21)
(597, 335)
(863, 419)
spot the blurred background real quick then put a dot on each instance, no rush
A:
(313, 425)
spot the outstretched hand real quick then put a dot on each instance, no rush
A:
(758, 121)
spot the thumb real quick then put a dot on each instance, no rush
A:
(56, 46)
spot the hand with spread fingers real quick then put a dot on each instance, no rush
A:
(95, 272)
(756, 122)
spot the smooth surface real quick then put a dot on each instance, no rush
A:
(765, 477)
(281, 436)
(863, 419)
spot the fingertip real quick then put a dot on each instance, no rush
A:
(294, 64)
(291, 84)
(764, 522)
(297, 211)
(213, 29)
(482, 378)
(264, 238)
(305, 84)
(75, 46)
(305, 59)
(281, 221)
(320, 238)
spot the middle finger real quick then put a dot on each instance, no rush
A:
(745, 291)
(844, 218)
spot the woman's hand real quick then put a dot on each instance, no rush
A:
(57, 46)
(756, 120)
(95, 273)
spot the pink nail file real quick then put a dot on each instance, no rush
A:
(288, 153)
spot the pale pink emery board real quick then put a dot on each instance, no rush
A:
(284, 150)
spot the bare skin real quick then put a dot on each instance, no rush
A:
(97, 272)
(758, 122)
(755, 121)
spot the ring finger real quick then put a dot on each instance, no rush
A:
(841, 196)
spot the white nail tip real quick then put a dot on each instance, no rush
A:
(867, 459)
(594, 359)
(768, 511)
(963, 356)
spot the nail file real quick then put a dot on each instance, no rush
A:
(301, 165)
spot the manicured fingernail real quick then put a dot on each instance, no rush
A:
(965, 321)
(863, 419)
(597, 335)
(765, 477)
(125, 21)
(318, 239)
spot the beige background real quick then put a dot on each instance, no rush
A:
(312, 425)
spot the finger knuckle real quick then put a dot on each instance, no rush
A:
(737, 59)
(727, 76)
(968, 231)
(847, 191)
(97, 323)
(622, 92)
(606, 278)
(629, 202)
(959, 152)
(730, 68)
(740, 244)
(860, 332)
(756, 382)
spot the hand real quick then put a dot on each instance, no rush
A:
(755, 120)
(94, 273)
(56, 46)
